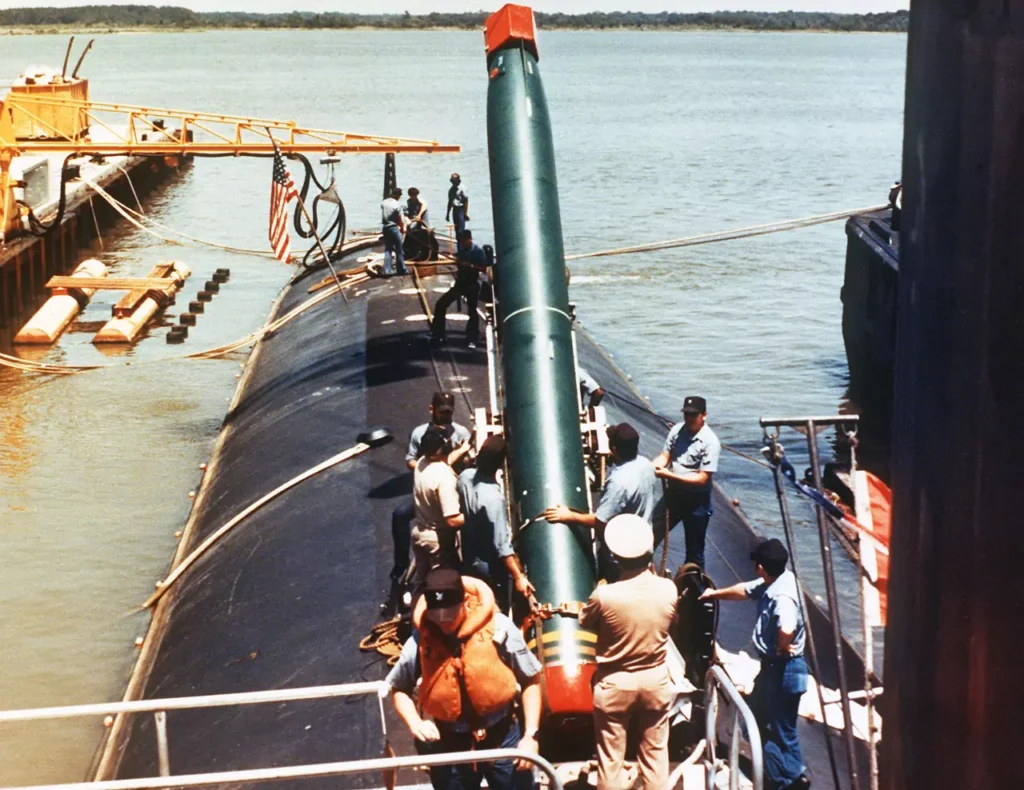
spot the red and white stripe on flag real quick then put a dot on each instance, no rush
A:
(282, 191)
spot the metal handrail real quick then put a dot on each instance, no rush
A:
(378, 687)
(314, 770)
(159, 707)
(714, 681)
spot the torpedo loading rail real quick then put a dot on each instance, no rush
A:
(541, 416)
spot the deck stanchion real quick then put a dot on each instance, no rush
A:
(163, 756)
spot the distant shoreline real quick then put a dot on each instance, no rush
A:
(54, 30)
(125, 19)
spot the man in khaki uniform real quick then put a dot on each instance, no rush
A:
(632, 618)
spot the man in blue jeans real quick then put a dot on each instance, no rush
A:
(779, 637)
(687, 463)
(392, 226)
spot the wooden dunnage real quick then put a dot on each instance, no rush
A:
(138, 306)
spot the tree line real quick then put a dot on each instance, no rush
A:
(127, 16)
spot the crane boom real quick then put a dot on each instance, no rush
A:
(149, 131)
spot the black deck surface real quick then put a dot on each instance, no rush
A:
(284, 599)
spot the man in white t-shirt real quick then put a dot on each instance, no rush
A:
(438, 515)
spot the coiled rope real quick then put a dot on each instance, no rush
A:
(728, 235)
(383, 639)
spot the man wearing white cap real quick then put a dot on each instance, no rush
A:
(631, 618)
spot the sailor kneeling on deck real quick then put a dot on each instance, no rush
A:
(779, 636)
(632, 618)
(470, 658)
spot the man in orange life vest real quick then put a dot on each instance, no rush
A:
(470, 658)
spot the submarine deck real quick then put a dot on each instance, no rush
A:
(284, 599)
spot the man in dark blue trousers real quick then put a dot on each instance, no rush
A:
(779, 637)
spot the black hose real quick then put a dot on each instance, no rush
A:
(332, 246)
(36, 226)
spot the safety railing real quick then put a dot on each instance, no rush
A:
(717, 683)
(160, 707)
(314, 770)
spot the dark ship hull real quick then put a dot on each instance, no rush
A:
(869, 296)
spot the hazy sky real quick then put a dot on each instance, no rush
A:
(566, 6)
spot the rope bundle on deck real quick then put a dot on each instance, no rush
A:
(383, 639)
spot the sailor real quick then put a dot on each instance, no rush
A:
(438, 514)
(458, 205)
(468, 688)
(416, 208)
(471, 261)
(687, 463)
(442, 412)
(631, 487)
(486, 536)
(779, 637)
(393, 225)
(632, 618)
(592, 392)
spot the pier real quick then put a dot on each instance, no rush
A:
(27, 261)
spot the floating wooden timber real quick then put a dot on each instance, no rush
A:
(145, 298)
(61, 308)
(111, 283)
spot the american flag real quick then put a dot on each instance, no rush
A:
(282, 190)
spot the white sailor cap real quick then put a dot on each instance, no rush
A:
(629, 537)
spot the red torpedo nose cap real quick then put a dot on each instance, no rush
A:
(512, 24)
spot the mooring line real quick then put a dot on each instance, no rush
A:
(728, 235)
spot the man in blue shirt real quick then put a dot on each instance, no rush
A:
(442, 412)
(486, 536)
(631, 487)
(779, 638)
(458, 205)
(392, 226)
(470, 260)
(687, 463)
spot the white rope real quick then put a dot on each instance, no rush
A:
(137, 219)
(728, 235)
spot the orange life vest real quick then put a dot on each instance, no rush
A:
(489, 684)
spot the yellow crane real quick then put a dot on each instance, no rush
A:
(57, 117)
